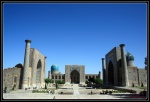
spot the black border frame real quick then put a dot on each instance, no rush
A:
(93, 2)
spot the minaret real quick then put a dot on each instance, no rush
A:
(26, 65)
(125, 80)
(45, 67)
(103, 70)
(49, 74)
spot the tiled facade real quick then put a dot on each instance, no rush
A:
(114, 73)
(67, 76)
(32, 74)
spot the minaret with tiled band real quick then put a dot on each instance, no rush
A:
(44, 69)
(26, 65)
(125, 80)
(103, 69)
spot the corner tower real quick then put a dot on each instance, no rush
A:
(125, 79)
(26, 64)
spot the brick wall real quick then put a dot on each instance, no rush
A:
(9, 75)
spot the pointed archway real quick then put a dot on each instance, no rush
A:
(110, 73)
(38, 72)
(75, 76)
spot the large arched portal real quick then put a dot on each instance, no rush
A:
(110, 73)
(75, 76)
(38, 72)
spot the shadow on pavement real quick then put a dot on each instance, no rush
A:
(130, 96)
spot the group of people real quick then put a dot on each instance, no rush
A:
(51, 91)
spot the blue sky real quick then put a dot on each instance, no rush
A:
(74, 33)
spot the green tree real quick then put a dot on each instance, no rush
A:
(56, 85)
(86, 82)
(132, 84)
(91, 79)
(60, 81)
(47, 81)
(45, 86)
(5, 89)
(142, 84)
(97, 81)
(63, 81)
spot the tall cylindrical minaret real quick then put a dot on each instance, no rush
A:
(49, 74)
(125, 80)
(99, 73)
(26, 64)
(45, 67)
(34, 69)
(103, 70)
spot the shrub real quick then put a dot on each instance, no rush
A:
(40, 91)
(45, 86)
(5, 88)
(132, 84)
(110, 92)
(106, 91)
(142, 85)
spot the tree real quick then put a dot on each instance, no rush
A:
(56, 86)
(142, 84)
(47, 81)
(5, 89)
(132, 84)
(60, 81)
(45, 86)
(86, 82)
(97, 81)
(91, 79)
(63, 82)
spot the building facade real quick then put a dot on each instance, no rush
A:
(120, 70)
(31, 74)
(117, 67)
(73, 74)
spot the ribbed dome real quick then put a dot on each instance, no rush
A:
(129, 56)
(54, 68)
(19, 65)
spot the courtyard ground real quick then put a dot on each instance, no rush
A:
(27, 94)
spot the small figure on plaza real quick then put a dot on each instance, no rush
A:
(91, 92)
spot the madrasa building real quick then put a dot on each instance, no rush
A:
(32, 72)
(119, 70)
(73, 74)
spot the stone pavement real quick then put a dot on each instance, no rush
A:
(27, 94)
(49, 96)
(75, 88)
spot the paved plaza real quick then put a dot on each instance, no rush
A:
(27, 94)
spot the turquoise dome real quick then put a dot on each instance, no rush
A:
(129, 56)
(54, 68)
